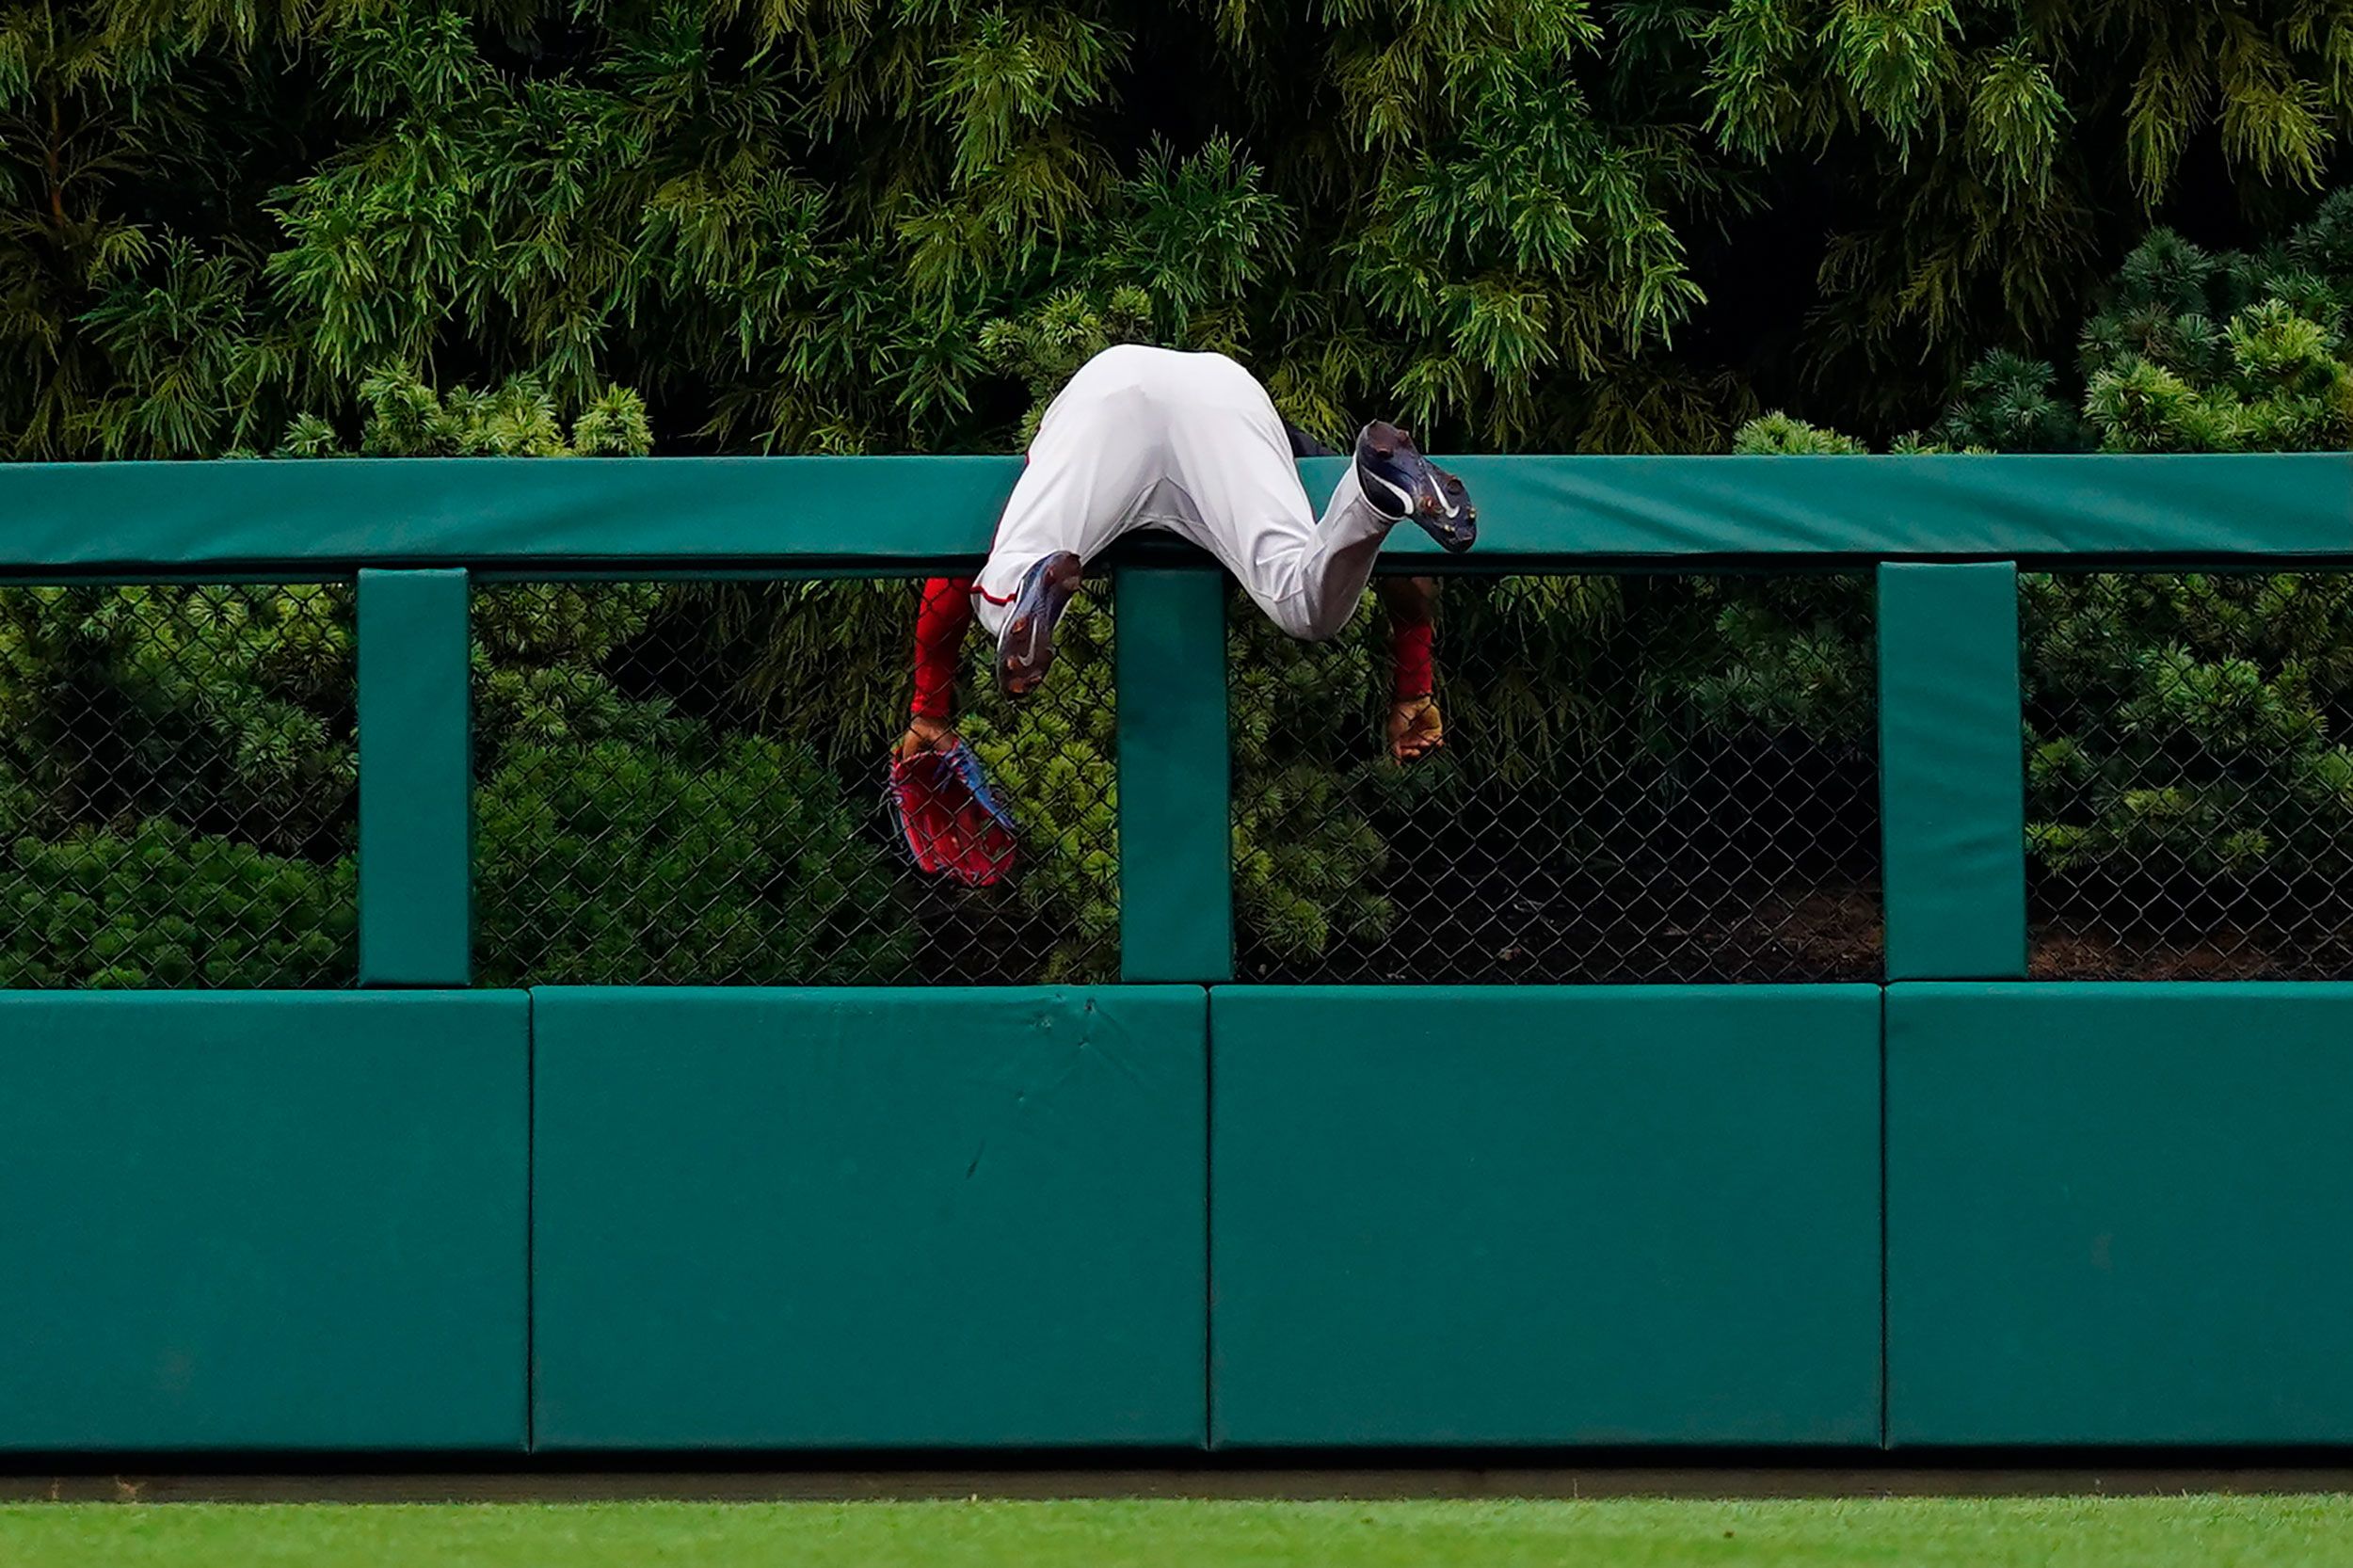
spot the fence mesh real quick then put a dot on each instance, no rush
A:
(683, 783)
(1645, 778)
(2189, 780)
(177, 787)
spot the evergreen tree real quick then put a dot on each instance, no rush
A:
(1524, 224)
(1981, 162)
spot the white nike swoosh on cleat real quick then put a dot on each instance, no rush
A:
(1404, 498)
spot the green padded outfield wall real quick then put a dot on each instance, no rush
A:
(1547, 1215)
(2119, 1214)
(266, 1220)
(915, 1218)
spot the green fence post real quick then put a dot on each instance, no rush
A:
(1952, 772)
(1176, 829)
(416, 784)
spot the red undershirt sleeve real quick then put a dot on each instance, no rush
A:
(1409, 656)
(940, 628)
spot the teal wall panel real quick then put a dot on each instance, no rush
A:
(1952, 772)
(854, 1218)
(263, 1221)
(2010, 506)
(2119, 1214)
(910, 511)
(1545, 1215)
(1176, 822)
(416, 780)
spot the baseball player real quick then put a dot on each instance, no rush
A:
(1191, 444)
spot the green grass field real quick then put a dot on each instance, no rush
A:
(2072, 1532)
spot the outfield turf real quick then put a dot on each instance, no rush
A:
(2072, 1532)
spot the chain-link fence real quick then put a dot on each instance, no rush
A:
(683, 783)
(177, 802)
(1647, 778)
(1644, 778)
(2189, 774)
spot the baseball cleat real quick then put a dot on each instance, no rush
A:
(1025, 648)
(1402, 482)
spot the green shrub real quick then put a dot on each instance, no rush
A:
(176, 786)
(1309, 772)
(1051, 760)
(157, 905)
(683, 859)
(2189, 724)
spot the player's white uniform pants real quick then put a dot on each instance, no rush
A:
(1156, 438)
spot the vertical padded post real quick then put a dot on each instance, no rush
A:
(416, 809)
(1176, 830)
(1952, 772)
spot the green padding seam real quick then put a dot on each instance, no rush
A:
(1176, 826)
(488, 511)
(2118, 1214)
(265, 1220)
(909, 1218)
(416, 838)
(1952, 772)
(1548, 1215)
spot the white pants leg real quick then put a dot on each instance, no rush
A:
(1154, 438)
(1094, 460)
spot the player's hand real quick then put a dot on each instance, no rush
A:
(925, 734)
(1414, 728)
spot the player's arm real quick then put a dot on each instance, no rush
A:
(940, 622)
(1415, 728)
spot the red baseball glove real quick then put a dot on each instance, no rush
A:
(954, 825)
